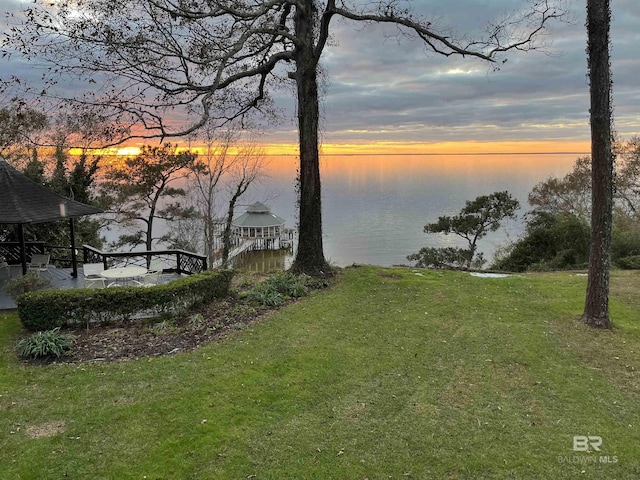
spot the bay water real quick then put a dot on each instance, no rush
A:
(375, 206)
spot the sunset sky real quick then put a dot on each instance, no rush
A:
(386, 95)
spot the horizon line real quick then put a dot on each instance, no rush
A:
(434, 154)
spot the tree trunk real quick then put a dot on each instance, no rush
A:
(596, 311)
(310, 255)
(226, 235)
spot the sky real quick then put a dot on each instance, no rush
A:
(385, 94)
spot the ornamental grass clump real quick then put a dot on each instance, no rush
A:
(50, 343)
(265, 295)
(280, 286)
(288, 284)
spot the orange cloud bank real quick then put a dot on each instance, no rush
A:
(404, 148)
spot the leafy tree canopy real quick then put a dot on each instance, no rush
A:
(475, 220)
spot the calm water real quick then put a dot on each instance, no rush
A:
(375, 207)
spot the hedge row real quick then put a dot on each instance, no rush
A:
(44, 310)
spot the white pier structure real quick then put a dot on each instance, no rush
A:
(258, 229)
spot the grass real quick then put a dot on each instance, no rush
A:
(388, 374)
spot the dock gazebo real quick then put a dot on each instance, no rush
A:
(259, 224)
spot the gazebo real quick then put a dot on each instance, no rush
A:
(23, 201)
(258, 223)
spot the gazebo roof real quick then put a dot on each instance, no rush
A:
(24, 201)
(258, 215)
(258, 208)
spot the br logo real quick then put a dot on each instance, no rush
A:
(582, 443)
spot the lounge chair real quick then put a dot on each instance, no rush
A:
(39, 263)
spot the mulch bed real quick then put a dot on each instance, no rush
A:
(152, 338)
(158, 337)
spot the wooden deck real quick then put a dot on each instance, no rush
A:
(60, 278)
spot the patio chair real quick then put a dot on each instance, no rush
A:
(92, 270)
(91, 275)
(152, 278)
(94, 282)
(156, 266)
(39, 263)
(5, 266)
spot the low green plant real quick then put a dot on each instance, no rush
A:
(245, 281)
(265, 295)
(196, 320)
(282, 282)
(50, 343)
(288, 284)
(278, 287)
(27, 283)
(298, 289)
(164, 327)
(241, 310)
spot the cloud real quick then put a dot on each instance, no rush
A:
(382, 89)
(382, 85)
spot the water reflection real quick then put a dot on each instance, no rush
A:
(375, 206)
(264, 261)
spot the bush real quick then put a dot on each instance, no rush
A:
(69, 308)
(288, 284)
(551, 242)
(279, 286)
(265, 296)
(629, 263)
(625, 238)
(445, 257)
(26, 283)
(51, 343)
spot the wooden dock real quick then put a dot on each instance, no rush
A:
(243, 247)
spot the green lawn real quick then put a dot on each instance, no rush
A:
(387, 374)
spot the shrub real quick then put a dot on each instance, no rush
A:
(265, 295)
(551, 242)
(26, 283)
(50, 343)
(629, 263)
(625, 238)
(445, 257)
(279, 286)
(288, 284)
(67, 308)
